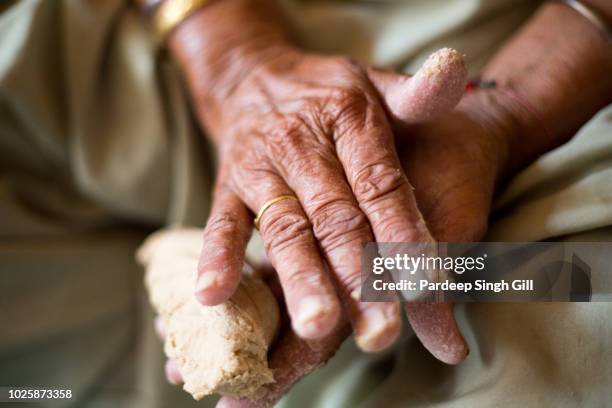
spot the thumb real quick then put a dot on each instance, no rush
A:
(435, 89)
(435, 326)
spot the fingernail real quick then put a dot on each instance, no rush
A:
(206, 289)
(206, 281)
(160, 327)
(378, 327)
(316, 317)
(173, 374)
(212, 289)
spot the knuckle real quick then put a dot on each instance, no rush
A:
(286, 132)
(283, 230)
(354, 114)
(375, 181)
(299, 278)
(349, 280)
(349, 103)
(400, 228)
(346, 94)
(222, 223)
(298, 139)
(339, 222)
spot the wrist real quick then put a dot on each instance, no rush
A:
(551, 78)
(539, 106)
(222, 43)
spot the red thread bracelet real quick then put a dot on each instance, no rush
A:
(475, 84)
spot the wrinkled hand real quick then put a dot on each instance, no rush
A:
(455, 163)
(318, 128)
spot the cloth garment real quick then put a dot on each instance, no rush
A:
(98, 147)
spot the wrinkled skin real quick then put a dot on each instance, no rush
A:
(319, 128)
(455, 162)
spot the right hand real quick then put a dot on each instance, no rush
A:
(455, 195)
(318, 128)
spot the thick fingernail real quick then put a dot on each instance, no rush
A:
(316, 317)
(378, 327)
(173, 374)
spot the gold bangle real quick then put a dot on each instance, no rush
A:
(171, 13)
(269, 203)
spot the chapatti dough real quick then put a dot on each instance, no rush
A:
(218, 349)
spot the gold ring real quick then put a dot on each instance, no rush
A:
(269, 203)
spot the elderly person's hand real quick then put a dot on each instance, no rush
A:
(282, 109)
(455, 162)
(317, 128)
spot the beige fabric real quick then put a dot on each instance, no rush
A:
(566, 191)
(86, 103)
(98, 147)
